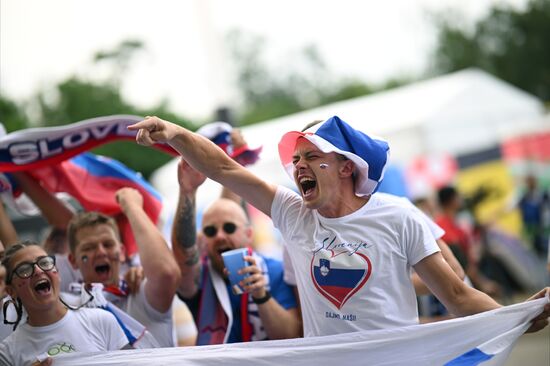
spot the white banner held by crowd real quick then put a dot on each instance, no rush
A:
(483, 339)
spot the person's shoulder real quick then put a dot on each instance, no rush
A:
(88, 312)
(92, 314)
(274, 266)
(391, 200)
(394, 205)
(271, 261)
(287, 193)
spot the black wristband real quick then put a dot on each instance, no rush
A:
(262, 300)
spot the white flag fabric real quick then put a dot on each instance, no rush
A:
(483, 339)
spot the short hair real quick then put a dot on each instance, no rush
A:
(55, 240)
(88, 219)
(311, 124)
(446, 194)
(10, 253)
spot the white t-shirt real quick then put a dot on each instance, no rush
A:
(353, 272)
(436, 230)
(85, 330)
(160, 325)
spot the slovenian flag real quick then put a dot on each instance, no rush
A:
(93, 181)
(220, 134)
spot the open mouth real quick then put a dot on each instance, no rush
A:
(223, 250)
(43, 287)
(102, 269)
(307, 185)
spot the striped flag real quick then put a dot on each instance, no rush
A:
(93, 180)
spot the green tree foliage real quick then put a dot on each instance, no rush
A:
(120, 58)
(511, 44)
(11, 115)
(307, 83)
(76, 99)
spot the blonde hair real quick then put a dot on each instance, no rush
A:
(87, 219)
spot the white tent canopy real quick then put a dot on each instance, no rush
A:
(455, 114)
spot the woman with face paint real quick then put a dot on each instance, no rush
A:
(49, 328)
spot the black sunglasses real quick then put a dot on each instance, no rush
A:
(211, 231)
(26, 269)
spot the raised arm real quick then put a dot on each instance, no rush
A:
(159, 266)
(206, 157)
(8, 236)
(54, 211)
(184, 230)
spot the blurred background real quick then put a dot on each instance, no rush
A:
(460, 89)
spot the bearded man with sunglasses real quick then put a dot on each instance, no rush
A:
(267, 309)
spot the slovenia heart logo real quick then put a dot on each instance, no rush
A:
(339, 276)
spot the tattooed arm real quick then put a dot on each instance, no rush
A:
(184, 231)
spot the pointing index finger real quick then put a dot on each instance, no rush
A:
(145, 123)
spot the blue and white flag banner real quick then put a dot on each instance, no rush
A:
(483, 339)
(36, 147)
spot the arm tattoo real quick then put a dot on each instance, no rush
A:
(186, 229)
(192, 256)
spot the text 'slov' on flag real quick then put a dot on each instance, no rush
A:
(35, 147)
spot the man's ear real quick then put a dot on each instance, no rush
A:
(249, 234)
(123, 254)
(72, 260)
(346, 169)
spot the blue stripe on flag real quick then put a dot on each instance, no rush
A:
(131, 338)
(107, 167)
(470, 358)
(347, 278)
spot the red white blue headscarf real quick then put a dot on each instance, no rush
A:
(220, 134)
(334, 135)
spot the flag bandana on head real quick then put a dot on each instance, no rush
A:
(334, 135)
(220, 134)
